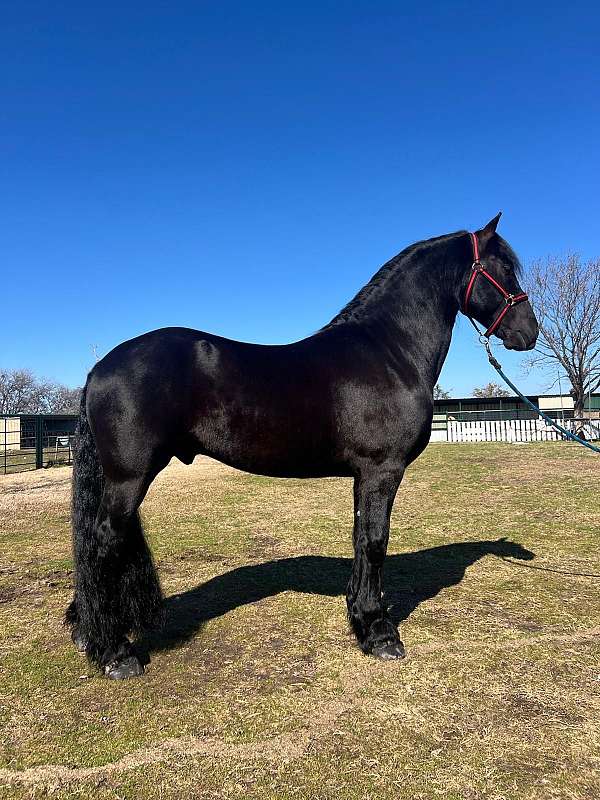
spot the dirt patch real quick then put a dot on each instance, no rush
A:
(530, 708)
(197, 555)
(7, 595)
(262, 546)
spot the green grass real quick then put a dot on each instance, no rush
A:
(255, 688)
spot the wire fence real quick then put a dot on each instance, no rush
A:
(35, 441)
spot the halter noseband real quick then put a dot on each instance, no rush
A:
(477, 269)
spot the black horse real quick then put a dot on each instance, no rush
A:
(354, 399)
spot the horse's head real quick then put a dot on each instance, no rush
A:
(492, 293)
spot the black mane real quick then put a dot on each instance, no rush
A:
(378, 284)
(506, 254)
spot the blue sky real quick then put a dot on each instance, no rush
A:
(244, 168)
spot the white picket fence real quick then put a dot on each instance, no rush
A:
(509, 430)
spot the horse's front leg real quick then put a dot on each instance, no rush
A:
(373, 499)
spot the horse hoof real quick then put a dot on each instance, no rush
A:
(79, 641)
(130, 667)
(392, 651)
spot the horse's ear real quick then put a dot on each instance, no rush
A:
(486, 233)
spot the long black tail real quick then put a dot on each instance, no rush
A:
(117, 590)
(87, 487)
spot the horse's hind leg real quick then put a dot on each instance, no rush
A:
(117, 586)
(373, 499)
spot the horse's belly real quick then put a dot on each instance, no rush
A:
(268, 445)
(288, 463)
(284, 468)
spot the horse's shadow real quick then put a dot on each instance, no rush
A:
(410, 579)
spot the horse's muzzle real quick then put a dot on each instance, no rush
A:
(516, 340)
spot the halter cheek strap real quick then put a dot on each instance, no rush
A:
(478, 269)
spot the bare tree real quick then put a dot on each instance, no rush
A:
(22, 393)
(439, 393)
(565, 294)
(65, 400)
(491, 389)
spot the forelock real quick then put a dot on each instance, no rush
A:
(504, 251)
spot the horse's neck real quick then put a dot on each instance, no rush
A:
(422, 329)
(417, 311)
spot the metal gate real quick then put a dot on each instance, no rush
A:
(33, 441)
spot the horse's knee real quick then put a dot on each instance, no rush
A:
(375, 550)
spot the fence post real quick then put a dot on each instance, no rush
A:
(39, 444)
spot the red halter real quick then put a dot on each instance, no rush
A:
(477, 268)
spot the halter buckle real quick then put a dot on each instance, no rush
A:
(510, 300)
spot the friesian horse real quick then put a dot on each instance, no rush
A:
(354, 399)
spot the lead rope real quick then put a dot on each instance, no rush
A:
(498, 367)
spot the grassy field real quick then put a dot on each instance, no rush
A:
(255, 688)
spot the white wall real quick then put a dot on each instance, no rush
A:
(10, 433)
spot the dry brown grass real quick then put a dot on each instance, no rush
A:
(255, 688)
